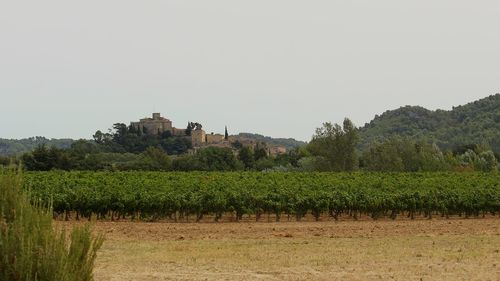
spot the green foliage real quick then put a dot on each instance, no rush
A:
(403, 154)
(124, 148)
(292, 157)
(176, 145)
(488, 162)
(217, 159)
(264, 163)
(260, 151)
(31, 248)
(208, 159)
(383, 157)
(187, 163)
(246, 155)
(408, 139)
(154, 195)
(125, 139)
(46, 159)
(10, 147)
(311, 163)
(85, 156)
(484, 161)
(474, 123)
(237, 145)
(7, 161)
(190, 127)
(335, 147)
(157, 159)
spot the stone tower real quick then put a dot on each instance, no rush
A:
(198, 137)
(153, 126)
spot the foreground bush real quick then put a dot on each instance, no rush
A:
(30, 247)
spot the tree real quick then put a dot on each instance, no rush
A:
(226, 135)
(292, 157)
(187, 163)
(98, 137)
(260, 152)
(157, 160)
(120, 131)
(403, 154)
(336, 145)
(218, 159)
(82, 148)
(487, 161)
(351, 139)
(176, 145)
(312, 163)
(237, 144)
(383, 157)
(44, 159)
(190, 127)
(264, 164)
(246, 155)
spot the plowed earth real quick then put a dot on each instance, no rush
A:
(437, 249)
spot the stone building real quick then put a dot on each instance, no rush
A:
(252, 143)
(157, 125)
(276, 150)
(214, 138)
(199, 138)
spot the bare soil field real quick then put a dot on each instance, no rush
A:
(437, 249)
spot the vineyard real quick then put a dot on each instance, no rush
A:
(179, 196)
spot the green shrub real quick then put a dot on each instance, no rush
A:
(31, 248)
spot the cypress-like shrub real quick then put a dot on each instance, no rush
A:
(31, 248)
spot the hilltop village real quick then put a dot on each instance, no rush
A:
(199, 138)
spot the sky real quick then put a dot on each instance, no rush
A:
(279, 68)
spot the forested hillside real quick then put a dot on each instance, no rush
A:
(475, 123)
(11, 147)
(289, 143)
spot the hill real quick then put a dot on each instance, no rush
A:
(289, 143)
(477, 122)
(12, 147)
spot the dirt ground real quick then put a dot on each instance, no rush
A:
(437, 249)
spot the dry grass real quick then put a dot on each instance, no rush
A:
(349, 250)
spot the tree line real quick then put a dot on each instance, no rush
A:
(333, 147)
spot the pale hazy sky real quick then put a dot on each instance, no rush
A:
(280, 68)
